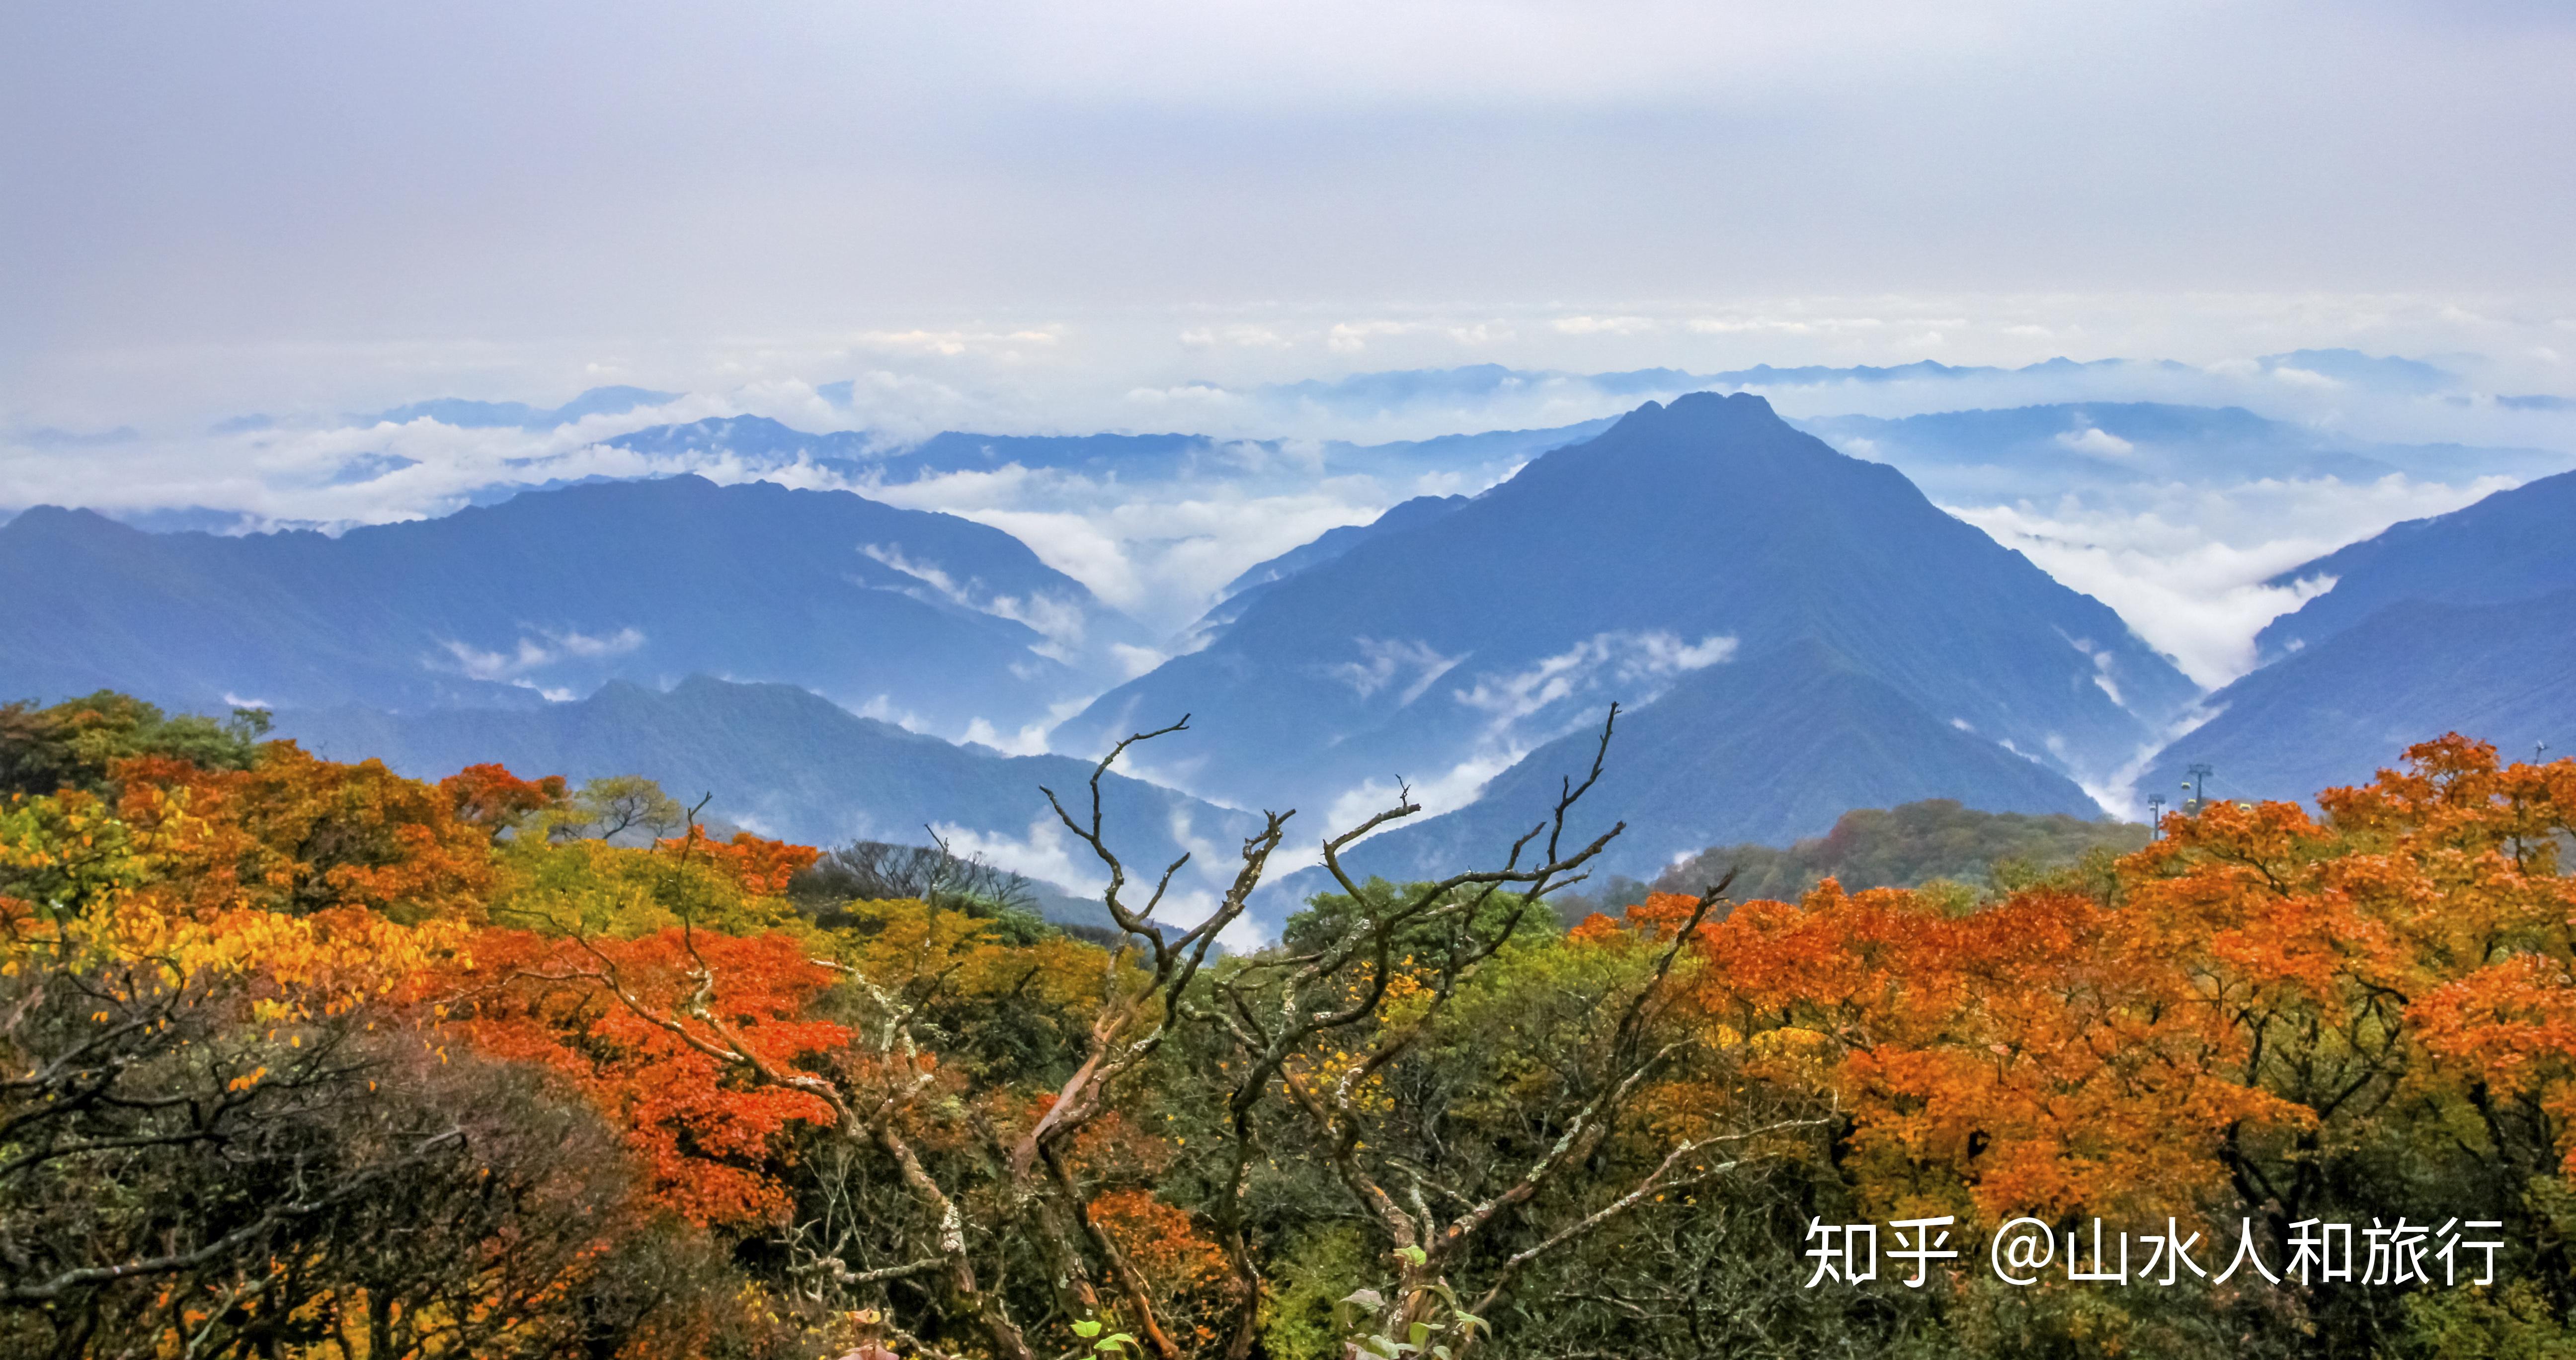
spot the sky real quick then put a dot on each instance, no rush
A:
(297, 203)
(1063, 217)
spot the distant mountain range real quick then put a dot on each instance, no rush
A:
(1397, 390)
(2130, 435)
(1395, 393)
(1704, 552)
(478, 415)
(900, 612)
(758, 444)
(790, 764)
(2462, 622)
(2036, 451)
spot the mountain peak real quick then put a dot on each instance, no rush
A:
(55, 523)
(1735, 405)
(1708, 413)
(1692, 533)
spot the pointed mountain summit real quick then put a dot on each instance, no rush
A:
(1684, 540)
(552, 594)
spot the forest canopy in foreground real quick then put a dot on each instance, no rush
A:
(302, 1058)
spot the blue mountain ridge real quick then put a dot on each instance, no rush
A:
(466, 414)
(2387, 373)
(789, 764)
(2348, 705)
(2043, 450)
(1685, 535)
(1402, 387)
(912, 612)
(1333, 543)
(2512, 545)
(763, 444)
(1393, 388)
(2460, 622)
(1240, 592)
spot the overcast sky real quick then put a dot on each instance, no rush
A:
(266, 204)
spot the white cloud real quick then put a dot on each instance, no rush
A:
(619, 643)
(883, 709)
(1350, 337)
(2184, 565)
(1445, 791)
(2105, 661)
(954, 343)
(2092, 440)
(1159, 551)
(1242, 336)
(1385, 661)
(2118, 793)
(538, 650)
(1134, 660)
(2187, 567)
(1792, 325)
(1027, 741)
(1049, 853)
(1644, 659)
(1059, 619)
(1606, 325)
(2300, 377)
(1186, 401)
(1046, 852)
(1522, 709)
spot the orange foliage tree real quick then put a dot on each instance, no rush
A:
(1008, 1140)
(231, 1121)
(2272, 1014)
(491, 797)
(296, 834)
(658, 1058)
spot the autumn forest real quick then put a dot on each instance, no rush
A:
(302, 1058)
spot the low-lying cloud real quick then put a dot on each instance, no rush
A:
(538, 650)
(1409, 667)
(2187, 567)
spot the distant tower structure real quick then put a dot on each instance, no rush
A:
(2540, 753)
(2155, 816)
(2199, 786)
